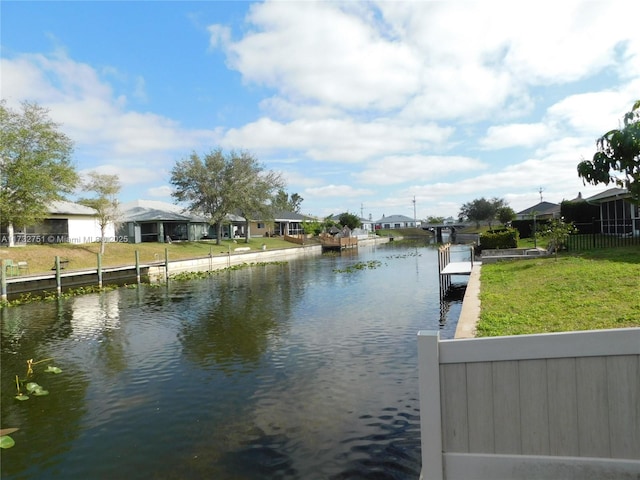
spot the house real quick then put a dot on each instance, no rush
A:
(366, 224)
(66, 222)
(283, 223)
(542, 211)
(394, 222)
(618, 214)
(155, 221)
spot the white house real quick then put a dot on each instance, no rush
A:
(395, 221)
(66, 222)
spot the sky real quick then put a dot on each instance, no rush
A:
(375, 108)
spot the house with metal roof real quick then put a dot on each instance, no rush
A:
(65, 222)
(155, 221)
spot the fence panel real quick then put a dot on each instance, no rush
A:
(567, 404)
(578, 242)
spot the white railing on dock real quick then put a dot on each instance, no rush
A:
(559, 405)
(446, 267)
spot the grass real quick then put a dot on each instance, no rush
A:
(592, 290)
(41, 258)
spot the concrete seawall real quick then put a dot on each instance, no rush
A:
(470, 313)
(157, 271)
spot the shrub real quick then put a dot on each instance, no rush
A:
(504, 238)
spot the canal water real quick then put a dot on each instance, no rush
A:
(300, 370)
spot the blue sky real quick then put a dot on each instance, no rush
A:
(362, 106)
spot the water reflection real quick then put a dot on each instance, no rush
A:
(283, 371)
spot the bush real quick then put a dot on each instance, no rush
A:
(499, 239)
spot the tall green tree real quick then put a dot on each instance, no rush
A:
(350, 220)
(204, 184)
(254, 189)
(288, 203)
(482, 210)
(617, 159)
(35, 165)
(104, 202)
(218, 184)
(505, 215)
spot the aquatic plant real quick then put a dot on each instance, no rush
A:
(370, 265)
(33, 388)
(207, 273)
(5, 440)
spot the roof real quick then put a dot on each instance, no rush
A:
(395, 219)
(282, 215)
(541, 208)
(62, 207)
(153, 210)
(610, 194)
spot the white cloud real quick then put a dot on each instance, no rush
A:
(337, 139)
(417, 168)
(515, 135)
(344, 191)
(162, 191)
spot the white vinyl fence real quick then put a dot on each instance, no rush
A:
(549, 406)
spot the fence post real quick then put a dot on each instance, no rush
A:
(166, 265)
(3, 280)
(430, 412)
(99, 270)
(58, 278)
(137, 267)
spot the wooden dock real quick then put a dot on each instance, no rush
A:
(338, 243)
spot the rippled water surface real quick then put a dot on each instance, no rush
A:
(305, 370)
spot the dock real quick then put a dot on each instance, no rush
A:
(457, 268)
(447, 268)
(338, 243)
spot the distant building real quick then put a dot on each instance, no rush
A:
(542, 211)
(395, 222)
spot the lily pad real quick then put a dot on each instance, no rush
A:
(40, 392)
(32, 387)
(7, 431)
(22, 397)
(51, 369)
(6, 441)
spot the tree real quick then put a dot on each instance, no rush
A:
(435, 220)
(617, 159)
(557, 231)
(282, 201)
(35, 165)
(219, 184)
(481, 209)
(253, 188)
(477, 211)
(105, 203)
(505, 215)
(350, 220)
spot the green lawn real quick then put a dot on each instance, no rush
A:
(592, 290)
